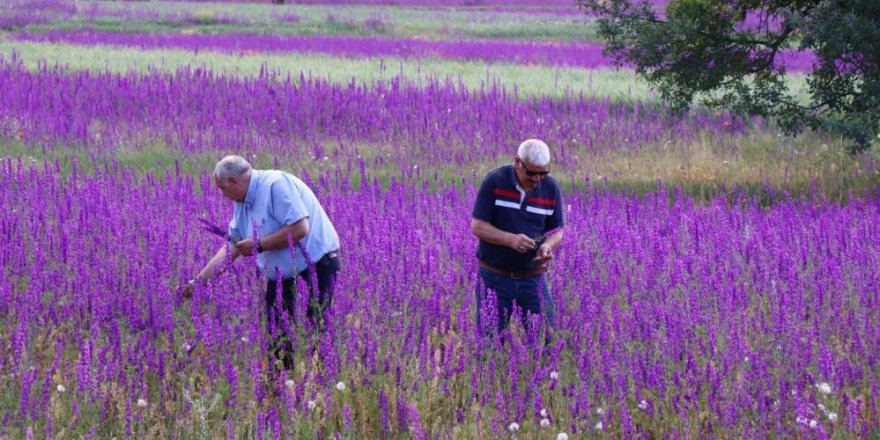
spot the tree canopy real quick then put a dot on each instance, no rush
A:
(730, 54)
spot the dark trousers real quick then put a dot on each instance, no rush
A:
(326, 270)
(525, 293)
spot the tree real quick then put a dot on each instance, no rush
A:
(729, 54)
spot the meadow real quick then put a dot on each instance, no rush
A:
(717, 279)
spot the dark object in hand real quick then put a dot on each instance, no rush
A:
(539, 240)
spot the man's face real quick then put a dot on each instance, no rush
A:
(529, 175)
(232, 188)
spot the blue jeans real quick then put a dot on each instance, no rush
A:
(524, 292)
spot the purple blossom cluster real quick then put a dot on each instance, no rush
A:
(556, 54)
(195, 110)
(733, 319)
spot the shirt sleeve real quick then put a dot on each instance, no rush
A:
(484, 207)
(287, 204)
(557, 220)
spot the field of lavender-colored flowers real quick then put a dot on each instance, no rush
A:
(675, 319)
(579, 55)
(196, 111)
(728, 315)
(428, 129)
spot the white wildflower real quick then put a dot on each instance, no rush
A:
(832, 416)
(801, 420)
(187, 347)
(311, 405)
(244, 339)
(142, 403)
(554, 375)
(562, 436)
(824, 387)
(513, 427)
(543, 412)
(289, 383)
(545, 422)
(340, 386)
(813, 423)
(600, 411)
(61, 388)
(599, 426)
(643, 405)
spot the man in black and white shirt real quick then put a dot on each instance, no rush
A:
(518, 219)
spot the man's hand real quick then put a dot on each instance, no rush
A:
(521, 243)
(246, 247)
(544, 256)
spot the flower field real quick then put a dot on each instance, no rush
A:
(687, 320)
(716, 280)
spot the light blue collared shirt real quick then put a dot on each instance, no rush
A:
(274, 199)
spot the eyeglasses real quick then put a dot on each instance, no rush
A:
(532, 173)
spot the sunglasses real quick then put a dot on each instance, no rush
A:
(532, 173)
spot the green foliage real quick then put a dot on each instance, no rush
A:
(728, 54)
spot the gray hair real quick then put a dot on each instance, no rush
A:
(535, 152)
(231, 166)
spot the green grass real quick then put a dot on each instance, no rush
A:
(713, 165)
(331, 20)
(529, 80)
(705, 168)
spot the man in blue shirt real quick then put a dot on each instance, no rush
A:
(274, 209)
(518, 218)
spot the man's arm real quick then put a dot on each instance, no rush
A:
(210, 269)
(277, 239)
(489, 233)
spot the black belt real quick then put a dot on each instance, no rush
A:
(327, 257)
(513, 275)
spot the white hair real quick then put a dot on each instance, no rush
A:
(535, 152)
(231, 166)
